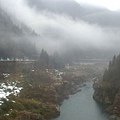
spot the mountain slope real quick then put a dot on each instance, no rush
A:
(105, 18)
(67, 7)
(89, 13)
(13, 39)
(107, 91)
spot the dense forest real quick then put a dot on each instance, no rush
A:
(107, 91)
(112, 74)
(13, 39)
(46, 61)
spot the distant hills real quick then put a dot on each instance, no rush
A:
(89, 13)
(18, 37)
(67, 7)
(14, 40)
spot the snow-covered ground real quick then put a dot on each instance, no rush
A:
(7, 89)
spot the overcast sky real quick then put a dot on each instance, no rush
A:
(110, 4)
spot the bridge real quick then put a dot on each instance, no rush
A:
(18, 61)
(92, 60)
(9, 65)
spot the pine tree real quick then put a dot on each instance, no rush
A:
(112, 74)
(44, 60)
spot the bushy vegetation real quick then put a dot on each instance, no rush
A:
(36, 97)
(10, 109)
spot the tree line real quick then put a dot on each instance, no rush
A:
(112, 74)
(46, 61)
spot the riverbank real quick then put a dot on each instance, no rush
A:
(107, 90)
(43, 92)
(81, 106)
(40, 96)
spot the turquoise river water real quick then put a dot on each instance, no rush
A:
(82, 106)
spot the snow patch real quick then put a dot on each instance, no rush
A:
(7, 89)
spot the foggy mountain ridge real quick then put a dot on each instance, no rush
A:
(91, 14)
(105, 19)
(9, 26)
(13, 38)
(82, 28)
(68, 7)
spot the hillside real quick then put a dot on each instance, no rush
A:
(104, 18)
(19, 38)
(66, 7)
(14, 40)
(89, 13)
(107, 91)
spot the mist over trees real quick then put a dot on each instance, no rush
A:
(46, 61)
(76, 31)
(13, 41)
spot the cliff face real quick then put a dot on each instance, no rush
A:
(104, 93)
(107, 91)
(115, 107)
(102, 96)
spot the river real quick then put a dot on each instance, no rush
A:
(81, 106)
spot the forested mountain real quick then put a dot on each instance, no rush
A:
(7, 28)
(105, 21)
(89, 13)
(107, 91)
(104, 18)
(59, 24)
(65, 7)
(14, 42)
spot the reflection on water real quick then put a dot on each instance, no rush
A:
(81, 106)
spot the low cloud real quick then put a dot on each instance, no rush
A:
(60, 32)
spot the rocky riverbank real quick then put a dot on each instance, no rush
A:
(43, 91)
(40, 96)
(110, 97)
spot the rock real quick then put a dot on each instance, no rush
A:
(112, 117)
(115, 107)
(83, 85)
